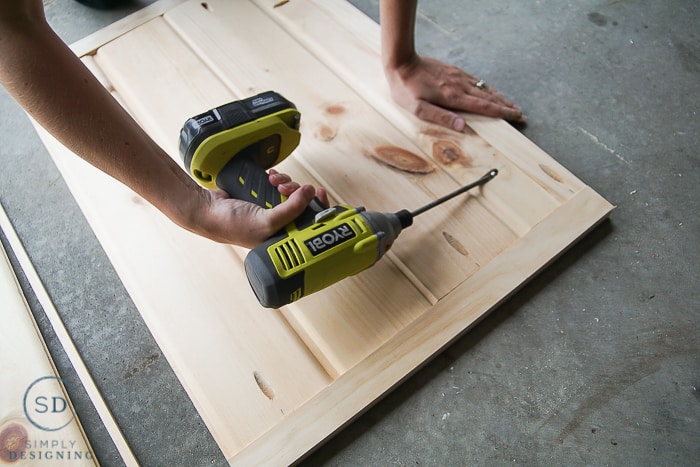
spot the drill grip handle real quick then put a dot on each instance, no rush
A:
(242, 178)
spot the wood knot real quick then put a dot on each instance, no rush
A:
(402, 159)
(456, 244)
(264, 386)
(551, 173)
(448, 153)
(13, 442)
(335, 109)
(325, 133)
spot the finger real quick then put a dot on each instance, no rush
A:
(440, 115)
(275, 178)
(322, 196)
(479, 88)
(492, 95)
(286, 212)
(490, 108)
(288, 188)
(283, 182)
(449, 119)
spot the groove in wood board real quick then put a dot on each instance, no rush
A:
(527, 155)
(28, 372)
(344, 328)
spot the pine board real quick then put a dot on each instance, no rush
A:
(37, 421)
(272, 384)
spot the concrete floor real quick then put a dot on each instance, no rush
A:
(595, 362)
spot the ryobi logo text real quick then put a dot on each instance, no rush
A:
(329, 239)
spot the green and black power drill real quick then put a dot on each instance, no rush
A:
(231, 147)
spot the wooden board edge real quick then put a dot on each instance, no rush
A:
(11, 275)
(366, 383)
(66, 342)
(89, 44)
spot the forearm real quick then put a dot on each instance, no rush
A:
(48, 80)
(397, 19)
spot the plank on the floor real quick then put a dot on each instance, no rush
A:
(37, 420)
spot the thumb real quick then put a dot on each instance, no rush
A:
(432, 113)
(286, 212)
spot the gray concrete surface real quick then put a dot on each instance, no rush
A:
(595, 362)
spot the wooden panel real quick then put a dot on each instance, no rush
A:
(37, 421)
(270, 385)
